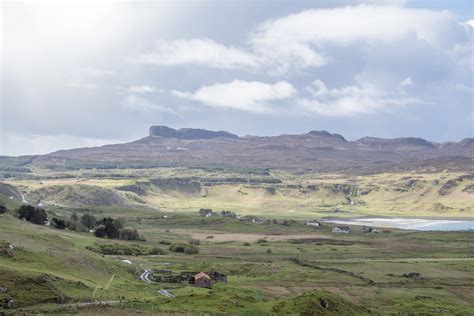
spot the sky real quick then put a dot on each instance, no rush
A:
(81, 74)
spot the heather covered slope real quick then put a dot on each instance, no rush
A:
(317, 151)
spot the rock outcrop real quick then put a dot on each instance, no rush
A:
(188, 133)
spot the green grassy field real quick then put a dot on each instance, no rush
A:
(51, 270)
(276, 195)
(277, 267)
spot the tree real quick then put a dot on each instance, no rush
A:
(128, 234)
(88, 220)
(59, 223)
(100, 232)
(35, 215)
(39, 216)
(3, 209)
(74, 217)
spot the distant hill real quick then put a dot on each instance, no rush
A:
(316, 151)
(188, 133)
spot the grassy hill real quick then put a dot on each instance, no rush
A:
(280, 268)
(277, 194)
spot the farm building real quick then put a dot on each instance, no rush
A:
(341, 229)
(313, 223)
(202, 280)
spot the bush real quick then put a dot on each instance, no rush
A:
(100, 232)
(196, 242)
(210, 237)
(182, 248)
(3, 209)
(268, 251)
(74, 217)
(157, 251)
(76, 226)
(59, 223)
(260, 241)
(128, 234)
(88, 220)
(35, 215)
(165, 242)
(108, 228)
(246, 244)
(124, 249)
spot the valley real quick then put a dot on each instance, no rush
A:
(249, 224)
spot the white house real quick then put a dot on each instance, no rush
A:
(313, 223)
(341, 229)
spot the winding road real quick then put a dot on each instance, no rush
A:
(145, 277)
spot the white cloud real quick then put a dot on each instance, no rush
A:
(142, 89)
(469, 23)
(138, 104)
(250, 96)
(301, 40)
(201, 52)
(407, 82)
(362, 98)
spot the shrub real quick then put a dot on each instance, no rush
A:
(128, 234)
(88, 220)
(246, 244)
(157, 251)
(32, 214)
(59, 223)
(74, 217)
(268, 251)
(108, 228)
(196, 242)
(100, 232)
(182, 248)
(3, 209)
(76, 226)
(260, 241)
(165, 242)
(125, 249)
(210, 237)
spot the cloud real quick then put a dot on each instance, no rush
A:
(250, 96)
(201, 52)
(407, 82)
(304, 39)
(142, 89)
(362, 98)
(138, 104)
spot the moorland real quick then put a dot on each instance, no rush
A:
(153, 189)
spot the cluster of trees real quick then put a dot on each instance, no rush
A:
(113, 229)
(104, 228)
(36, 215)
(76, 223)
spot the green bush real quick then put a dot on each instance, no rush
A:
(157, 251)
(182, 248)
(36, 215)
(165, 242)
(196, 242)
(246, 244)
(123, 249)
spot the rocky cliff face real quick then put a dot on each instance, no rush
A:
(188, 133)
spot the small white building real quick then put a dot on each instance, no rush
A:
(313, 223)
(341, 229)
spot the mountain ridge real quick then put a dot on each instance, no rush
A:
(315, 151)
